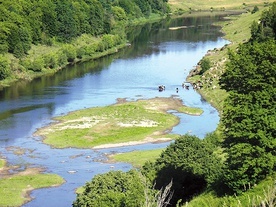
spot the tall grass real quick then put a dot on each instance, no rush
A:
(263, 194)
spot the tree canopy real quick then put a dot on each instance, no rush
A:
(189, 163)
(29, 22)
(113, 189)
(249, 115)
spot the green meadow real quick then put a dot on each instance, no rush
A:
(142, 120)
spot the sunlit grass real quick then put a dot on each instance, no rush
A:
(13, 190)
(198, 5)
(191, 110)
(120, 123)
(137, 158)
(263, 192)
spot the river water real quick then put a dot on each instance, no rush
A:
(157, 55)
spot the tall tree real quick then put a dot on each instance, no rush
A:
(115, 188)
(190, 163)
(249, 116)
(66, 24)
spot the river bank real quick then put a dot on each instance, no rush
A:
(218, 57)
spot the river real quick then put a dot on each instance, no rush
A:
(157, 55)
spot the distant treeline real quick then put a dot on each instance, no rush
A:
(64, 31)
(27, 22)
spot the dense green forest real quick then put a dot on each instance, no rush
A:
(97, 25)
(226, 164)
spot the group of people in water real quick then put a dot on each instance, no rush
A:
(186, 85)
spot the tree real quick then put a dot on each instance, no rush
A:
(113, 189)
(205, 65)
(4, 67)
(249, 115)
(190, 163)
(66, 24)
(267, 27)
(49, 17)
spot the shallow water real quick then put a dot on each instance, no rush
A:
(156, 56)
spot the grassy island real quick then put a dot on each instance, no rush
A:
(15, 188)
(125, 123)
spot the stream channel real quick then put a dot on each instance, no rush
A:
(157, 55)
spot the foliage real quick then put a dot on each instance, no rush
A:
(267, 27)
(261, 195)
(26, 22)
(70, 52)
(50, 60)
(251, 69)
(190, 163)
(255, 9)
(205, 65)
(249, 113)
(113, 189)
(4, 67)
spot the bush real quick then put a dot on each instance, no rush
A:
(190, 163)
(113, 189)
(255, 9)
(4, 67)
(70, 52)
(35, 65)
(205, 65)
(50, 60)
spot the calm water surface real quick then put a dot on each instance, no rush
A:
(157, 55)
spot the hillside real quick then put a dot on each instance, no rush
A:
(197, 5)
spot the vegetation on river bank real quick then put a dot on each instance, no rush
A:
(236, 34)
(41, 37)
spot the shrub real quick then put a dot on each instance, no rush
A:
(190, 163)
(115, 188)
(205, 65)
(70, 52)
(51, 60)
(4, 67)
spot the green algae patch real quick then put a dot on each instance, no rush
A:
(115, 125)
